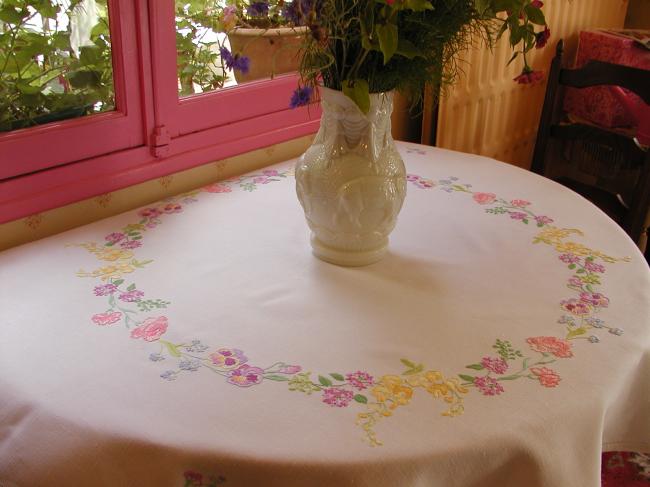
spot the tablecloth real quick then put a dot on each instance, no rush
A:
(504, 341)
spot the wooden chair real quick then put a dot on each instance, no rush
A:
(609, 167)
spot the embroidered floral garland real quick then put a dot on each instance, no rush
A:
(378, 396)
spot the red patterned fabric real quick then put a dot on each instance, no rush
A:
(619, 470)
(599, 104)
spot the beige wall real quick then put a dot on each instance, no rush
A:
(487, 113)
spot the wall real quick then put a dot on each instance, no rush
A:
(66, 217)
(638, 15)
(487, 113)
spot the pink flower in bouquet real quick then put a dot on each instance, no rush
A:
(553, 345)
(488, 386)
(597, 300)
(496, 365)
(547, 377)
(290, 369)
(484, 198)
(217, 188)
(246, 376)
(576, 307)
(520, 203)
(337, 397)
(228, 358)
(109, 318)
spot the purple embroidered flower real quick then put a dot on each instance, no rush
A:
(593, 267)
(301, 96)
(169, 375)
(131, 244)
(543, 220)
(569, 258)
(196, 347)
(240, 63)
(412, 177)
(270, 172)
(597, 300)
(576, 307)
(258, 9)
(114, 237)
(595, 322)
(189, 365)
(260, 180)
(150, 213)
(337, 397)
(496, 365)
(246, 376)
(156, 357)
(488, 386)
(131, 296)
(105, 289)
(228, 358)
(360, 380)
(290, 369)
(518, 215)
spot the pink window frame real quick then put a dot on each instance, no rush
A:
(172, 134)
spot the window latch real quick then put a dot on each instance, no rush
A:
(160, 140)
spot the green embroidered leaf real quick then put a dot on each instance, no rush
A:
(419, 368)
(509, 377)
(131, 287)
(118, 282)
(408, 363)
(361, 398)
(576, 332)
(171, 348)
(109, 244)
(324, 381)
(337, 376)
(475, 367)
(580, 271)
(467, 378)
(279, 378)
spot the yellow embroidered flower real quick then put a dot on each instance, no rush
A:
(105, 273)
(133, 227)
(112, 255)
(392, 391)
(553, 235)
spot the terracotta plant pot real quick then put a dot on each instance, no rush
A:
(271, 51)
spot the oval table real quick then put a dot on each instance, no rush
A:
(504, 341)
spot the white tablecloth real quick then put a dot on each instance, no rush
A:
(504, 341)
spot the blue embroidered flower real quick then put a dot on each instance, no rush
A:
(169, 375)
(594, 339)
(616, 331)
(566, 320)
(156, 357)
(595, 322)
(196, 347)
(189, 365)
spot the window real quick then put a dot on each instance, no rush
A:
(138, 110)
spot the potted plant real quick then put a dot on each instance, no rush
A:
(351, 182)
(265, 37)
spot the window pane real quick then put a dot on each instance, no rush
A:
(55, 61)
(220, 45)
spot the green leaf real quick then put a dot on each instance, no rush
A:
(408, 363)
(387, 35)
(279, 378)
(418, 5)
(324, 381)
(572, 266)
(359, 92)
(407, 49)
(535, 15)
(419, 368)
(171, 348)
(361, 398)
(10, 15)
(475, 367)
(118, 282)
(131, 287)
(467, 378)
(338, 376)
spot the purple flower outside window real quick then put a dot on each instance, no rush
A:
(258, 9)
(301, 97)
(240, 63)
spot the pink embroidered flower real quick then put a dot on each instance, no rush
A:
(228, 358)
(131, 296)
(495, 364)
(131, 244)
(194, 479)
(290, 369)
(151, 329)
(520, 203)
(172, 208)
(360, 380)
(412, 177)
(114, 237)
(109, 318)
(337, 397)
(529, 77)
(484, 198)
(593, 267)
(576, 307)
(597, 300)
(574, 281)
(261, 180)
(488, 386)
(105, 289)
(518, 215)
(547, 377)
(424, 183)
(543, 220)
(569, 258)
(246, 376)
(270, 172)
(150, 213)
(217, 188)
(556, 346)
